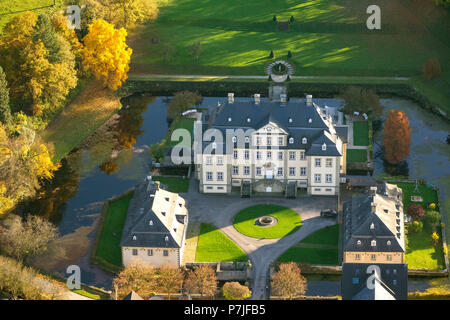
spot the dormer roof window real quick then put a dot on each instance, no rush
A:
(290, 120)
(134, 238)
(248, 120)
(229, 119)
(304, 140)
(291, 140)
(247, 139)
(150, 223)
(372, 226)
(358, 242)
(234, 139)
(373, 243)
(309, 120)
(324, 147)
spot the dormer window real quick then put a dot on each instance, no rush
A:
(247, 139)
(324, 147)
(134, 238)
(150, 223)
(234, 139)
(229, 119)
(163, 213)
(166, 238)
(304, 141)
(290, 120)
(358, 242)
(248, 120)
(167, 199)
(291, 140)
(373, 243)
(309, 120)
(389, 242)
(372, 226)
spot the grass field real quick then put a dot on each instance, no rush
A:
(214, 246)
(174, 184)
(421, 253)
(360, 133)
(356, 155)
(321, 247)
(289, 221)
(109, 243)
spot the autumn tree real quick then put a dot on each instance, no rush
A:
(397, 139)
(288, 282)
(106, 54)
(29, 238)
(415, 211)
(127, 13)
(431, 69)
(361, 100)
(203, 280)
(5, 111)
(136, 276)
(235, 291)
(170, 279)
(182, 101)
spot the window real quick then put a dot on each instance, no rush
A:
(292, 171)
(290, 120)
(219, 176)
(247, 140)
(135, 252)
(304, 141)
(235, 154)
(328, 178)
(258, 141)
(291, 140)
(149, 252)
(246, 170)
(280, 171)
(258, 171)
(389, 257)
(208, 160)
(358, 242)
(317, 177)
(394, 282)
(373, 243)
(317, 189)
(209, 176)
(280, 141)
(357, 256)
(328, 190)
(355, 280)
(302, 155)
(246, 155)
(303, 171)
(329, 162)
(234, 139)
(317, 162)
(235, 170)
(269, 155)
(291, 155)
(219, 161)
(373, 257)
(280, 155)
(258, 155)
(324, 147)
(166, 253)
(269, 141)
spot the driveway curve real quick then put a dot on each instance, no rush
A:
(219, 211)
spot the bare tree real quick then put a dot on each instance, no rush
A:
(288, 282)
(31, 238)
(170, 279)
(203, 280)
(138, 277)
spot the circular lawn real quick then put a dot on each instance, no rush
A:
(288, 221)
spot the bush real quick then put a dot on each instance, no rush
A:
(433, 218)
(271, 55)
(432, 206)
(274, 19)
(289, 55)
(416, 212)
(415, 226)
(291, 19)
(431, 69)
(235, 291)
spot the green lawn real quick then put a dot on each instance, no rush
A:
(356, 155)
(360, 133)
(214, 246)
(421, 253)
(174, 184)
(289, 221)
(109, 243)
(321, 247)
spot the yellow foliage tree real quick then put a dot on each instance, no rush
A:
(106, 53)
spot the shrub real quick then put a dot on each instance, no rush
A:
(289, 55)
(415, 226)
(433, 218)
(431, 69)
(432, 206)
(291, 19)
(274, 19)
(416, 212)
(271, 55)
(435, 238)
(235, 291)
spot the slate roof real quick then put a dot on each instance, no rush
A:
(296, 118)
(378, 217)
(156, 218)
(133, 296)
(391, 283)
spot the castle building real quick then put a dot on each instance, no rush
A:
(272, 146)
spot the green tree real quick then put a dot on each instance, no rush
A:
(182, 101)
(235, 291)
(45, 32)
(415, 226)
(5, 111)
(361, 100)
(433, 217)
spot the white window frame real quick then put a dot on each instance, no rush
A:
(235, 169)
(209, 176)
(280, 155)
(246, 155)
(328, 178)
(318, 163)
(258, 171)
(291, 155)
(269, 155)
(246, 170)
(329, 162)
(220, 176)
(291, 171)
(235, 154)
(303, 171)
(280, 171)
(317, 178)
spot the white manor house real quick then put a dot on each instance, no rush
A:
(284, 147)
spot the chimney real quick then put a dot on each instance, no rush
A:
(309, 100)
(230, 97)
(283, 98)
(373, 190)
(257, 97)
